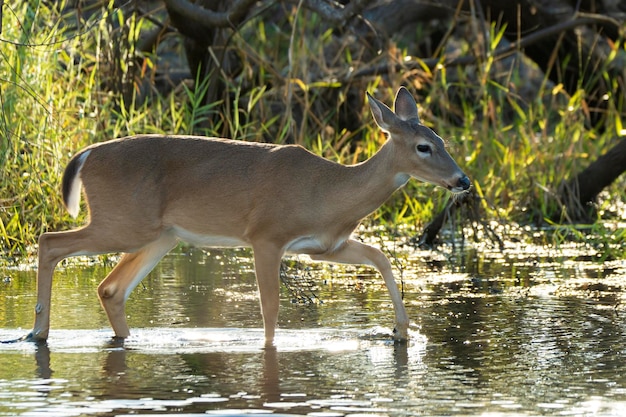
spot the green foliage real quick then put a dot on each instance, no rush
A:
(34, 125)
(62, 89)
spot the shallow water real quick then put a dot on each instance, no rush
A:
(512, 333)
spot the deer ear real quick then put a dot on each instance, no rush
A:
(383, 116)
(404, 105)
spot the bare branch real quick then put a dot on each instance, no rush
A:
(335, 13)
(580, 20)
(206, 17)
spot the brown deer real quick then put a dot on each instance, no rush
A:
(147, 192)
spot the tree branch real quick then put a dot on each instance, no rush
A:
(580, 20)
(333, 12)
(206, 17)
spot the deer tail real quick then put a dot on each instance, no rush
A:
(72, 183)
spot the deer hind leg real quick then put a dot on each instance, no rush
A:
(354, 252)
(53, 247)
(115, 289)
(267, 267)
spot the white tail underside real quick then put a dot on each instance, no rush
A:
(73, 199)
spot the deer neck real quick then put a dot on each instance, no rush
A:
(373, 181)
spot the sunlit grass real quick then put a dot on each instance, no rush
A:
(517, 151)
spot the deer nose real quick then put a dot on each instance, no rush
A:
(464, 183)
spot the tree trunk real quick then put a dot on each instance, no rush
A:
(206, 27)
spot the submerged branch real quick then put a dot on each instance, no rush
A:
(469, 204)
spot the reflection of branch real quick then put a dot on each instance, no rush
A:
(503, 51)
(206, 17)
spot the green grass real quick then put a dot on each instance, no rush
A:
(62, 89)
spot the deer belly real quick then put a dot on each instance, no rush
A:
(313, 245)
(208, 240)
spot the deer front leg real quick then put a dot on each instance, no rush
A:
(354, 252)
(267, 259)
(115, 289)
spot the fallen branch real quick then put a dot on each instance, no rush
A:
(577, 196)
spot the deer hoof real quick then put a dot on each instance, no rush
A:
(400, 336)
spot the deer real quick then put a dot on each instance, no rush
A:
(146, 193)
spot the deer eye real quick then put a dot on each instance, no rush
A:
(423, 149)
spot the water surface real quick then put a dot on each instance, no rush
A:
(513, 333)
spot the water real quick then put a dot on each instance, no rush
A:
(524, 332)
